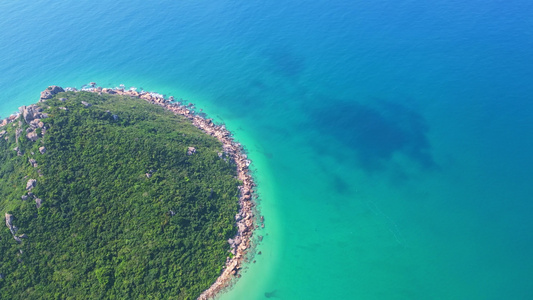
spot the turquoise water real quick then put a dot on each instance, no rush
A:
(391, 140)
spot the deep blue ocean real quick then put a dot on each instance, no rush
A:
(392, 141)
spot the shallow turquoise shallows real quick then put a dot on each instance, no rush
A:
(392, 141)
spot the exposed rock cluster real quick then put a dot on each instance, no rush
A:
(13, 229)
(32, 115)
(8, 120)
(50, 92)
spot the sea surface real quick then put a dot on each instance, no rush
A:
(392, 141)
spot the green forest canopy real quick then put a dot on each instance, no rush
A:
(126, 212)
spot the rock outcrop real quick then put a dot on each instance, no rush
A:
(36, 123)
(86, 104)
(32, 136)
(191, 150)
(31, 113)
(38, 202)
(13, 229)
(33, 162)
(9, 224)
(30, 184)
(108, 91)
(50, 92)
(28, 113)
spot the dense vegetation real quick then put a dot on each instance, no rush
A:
(105, 229)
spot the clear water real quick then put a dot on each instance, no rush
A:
(392, 140)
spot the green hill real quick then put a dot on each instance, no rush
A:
(121, 207)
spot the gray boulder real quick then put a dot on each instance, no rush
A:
(28, 113)
(31, 184)
(33, 162)
(32, 136)
(9, 224)
(191, 150)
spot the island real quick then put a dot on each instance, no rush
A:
(114, 193)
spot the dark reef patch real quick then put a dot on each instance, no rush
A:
(376, 132)
(340, 185)
(272, 294)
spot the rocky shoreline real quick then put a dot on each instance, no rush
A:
(245, 218)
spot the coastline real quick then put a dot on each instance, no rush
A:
(244, 219)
